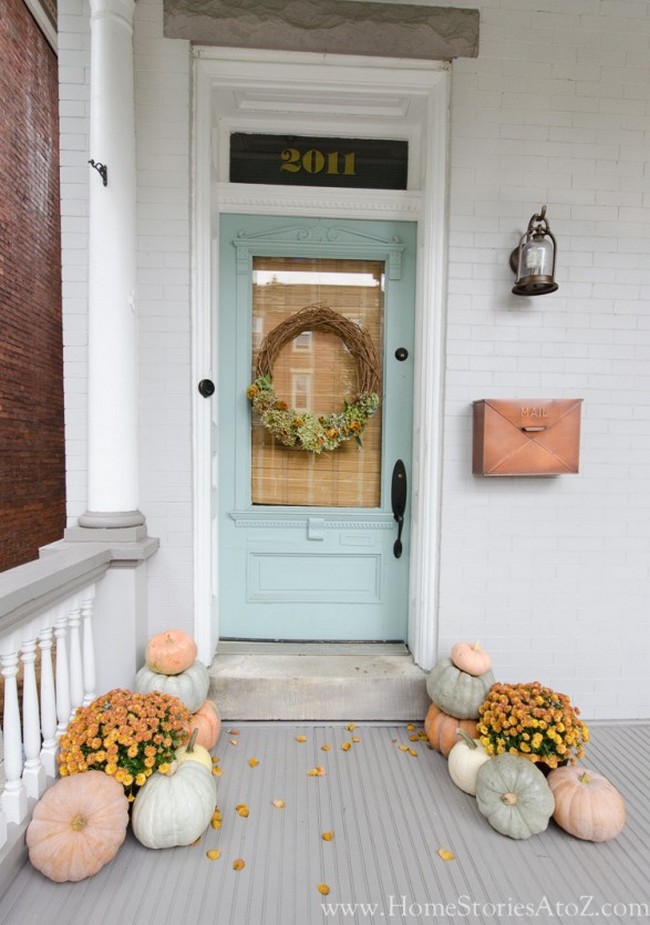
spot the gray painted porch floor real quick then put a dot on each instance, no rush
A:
(390, 812)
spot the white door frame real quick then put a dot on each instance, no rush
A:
(336, 96)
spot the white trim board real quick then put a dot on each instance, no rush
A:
(272, 91)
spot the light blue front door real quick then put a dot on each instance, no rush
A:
(307, 542)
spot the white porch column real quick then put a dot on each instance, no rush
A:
(112, 384)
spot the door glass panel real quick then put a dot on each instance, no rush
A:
(315, 372)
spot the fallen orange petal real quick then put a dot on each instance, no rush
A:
(413, 752)
(217, 771)
(325, 748)
(411, 727)
(301, 738)
(346, 746)
(356, 739)
(327, 836)
(323, 889)
(239, 864)
(316, 772)
(446, 855)
(242, 810)
(351, 726)
(253, 762)
(213, 854)
(279, 804)
(234, 742)
(403, 748)
(233, 732)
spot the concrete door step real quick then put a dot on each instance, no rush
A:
(295, 681)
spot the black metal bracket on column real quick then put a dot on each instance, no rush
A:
(101, 169)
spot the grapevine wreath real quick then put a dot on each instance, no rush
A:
(304, 429)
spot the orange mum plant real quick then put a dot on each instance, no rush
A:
(127, 735)
(533, 721)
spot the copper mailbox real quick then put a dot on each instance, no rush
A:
(526, 437)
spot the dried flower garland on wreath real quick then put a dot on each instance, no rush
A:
(304, 429)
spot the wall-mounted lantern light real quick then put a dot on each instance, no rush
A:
(533, 261)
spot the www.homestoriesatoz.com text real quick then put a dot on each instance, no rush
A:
(401, 907)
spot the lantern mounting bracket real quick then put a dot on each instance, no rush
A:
(101, 169)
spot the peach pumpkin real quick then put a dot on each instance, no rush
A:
(470, 657)
(441, 729)
(170, 652)
(77, 826)
(587, 805)
(208, 722)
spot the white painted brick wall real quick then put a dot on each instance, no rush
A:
(553, 575)
(74, 62)
(163, 93)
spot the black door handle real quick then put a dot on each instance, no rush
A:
(398, 500)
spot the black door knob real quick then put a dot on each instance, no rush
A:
(206, 387)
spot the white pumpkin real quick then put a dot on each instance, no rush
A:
(190, 686)
(464, 760)
(194, 752)
(176, 808)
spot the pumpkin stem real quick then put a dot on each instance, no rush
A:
(78, 823)
(584, 778)
(192, 742)
(510, 799)
(476, 645)
(468, 740)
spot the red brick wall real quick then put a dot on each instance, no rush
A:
(32, 464)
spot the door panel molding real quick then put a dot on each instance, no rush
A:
(312, 238)
(362, 522)
(352, 577)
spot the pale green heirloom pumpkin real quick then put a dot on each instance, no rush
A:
(456, 692)
(514, 796)
(174, 809)
(190, 686)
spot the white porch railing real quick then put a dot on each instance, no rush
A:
(46, 620)
(53, 613)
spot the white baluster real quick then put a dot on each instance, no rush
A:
(87, 606)
(76, 667)
(48, 704)
(33, 772)
(3, 819)
(62, 677)
(14, 800)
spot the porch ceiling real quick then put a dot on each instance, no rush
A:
(344, 27)
(390, 813)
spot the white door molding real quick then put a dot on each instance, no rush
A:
(241, 90)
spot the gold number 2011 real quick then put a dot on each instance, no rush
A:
(314, 161)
